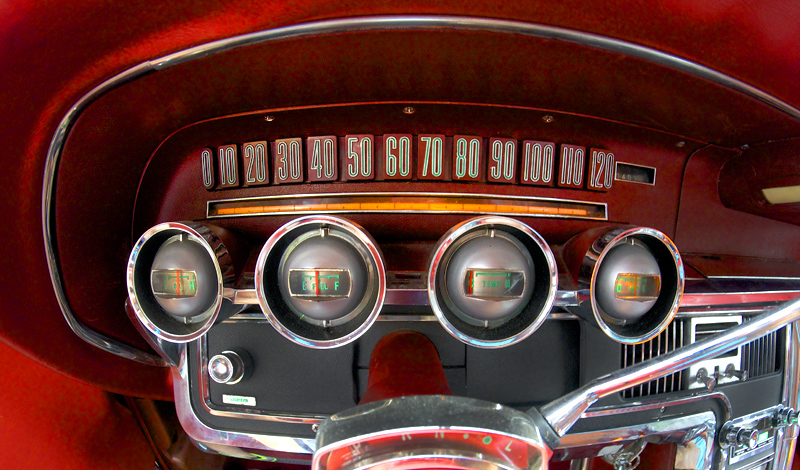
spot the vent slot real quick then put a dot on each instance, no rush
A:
(759, 357)
(669, 340)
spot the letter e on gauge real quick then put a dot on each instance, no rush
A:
(602, 167)
(359, 157)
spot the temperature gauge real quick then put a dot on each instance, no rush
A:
(494, 284)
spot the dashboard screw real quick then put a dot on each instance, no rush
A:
(744, 147)
(680, 144)
(409, 110)
(314, 428)
(547, 118)
(663, 409)
(269, 118)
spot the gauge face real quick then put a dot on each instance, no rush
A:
(628, 282)
(183, 277)
(488, 277)
(637, 287)
(319, 284)
(494, 284)
(492, 281)
(323, 277)
(320, 281)
(173, 283)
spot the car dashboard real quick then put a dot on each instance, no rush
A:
(242, 222)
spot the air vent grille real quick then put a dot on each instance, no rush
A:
(759, 357)
(669, 340)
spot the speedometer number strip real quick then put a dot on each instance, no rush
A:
(228, 166)
(396, 157)
(571, 165)
(538, 160)
(502, 160)
(423, 157)
(601, 170)
(430, 157)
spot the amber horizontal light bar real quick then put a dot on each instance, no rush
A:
(407, 203)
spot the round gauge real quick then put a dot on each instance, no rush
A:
(320, 280)
(489, 278)
(183, 277)
(492, 281)
(628, 281)
(175, 280)
(636, 283)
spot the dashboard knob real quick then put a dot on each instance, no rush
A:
(227, 368)
(743, 437)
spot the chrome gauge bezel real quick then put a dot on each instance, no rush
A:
(376, 266)
(437, 265)
(216, 251)
(594, 259)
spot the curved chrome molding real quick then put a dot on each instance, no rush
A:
(694, 431)
(438, 256)
(376, 258)
(657, 404)
(377, 23)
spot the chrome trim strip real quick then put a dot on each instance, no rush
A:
(565, 411)
(655, 404)
(378, 23)
(695, 430)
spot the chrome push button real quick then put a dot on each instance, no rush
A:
(227, 368)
